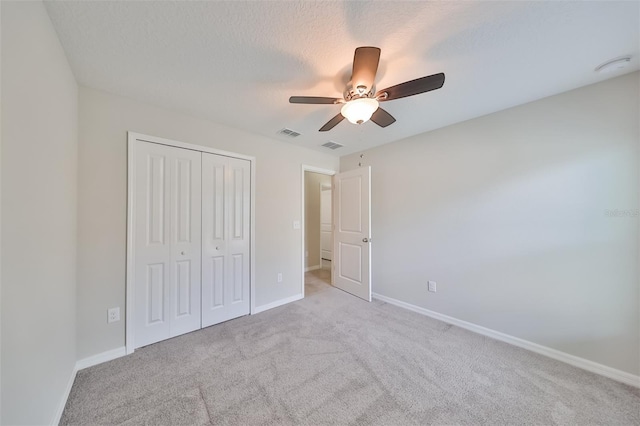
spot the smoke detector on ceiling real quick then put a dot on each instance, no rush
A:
(613, 65)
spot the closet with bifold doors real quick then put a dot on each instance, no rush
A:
(190, 224)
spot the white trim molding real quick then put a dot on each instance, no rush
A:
(100, 358)
(65, 396)
(585, 364)
(278, 303)
(81, 365)
(312, 268)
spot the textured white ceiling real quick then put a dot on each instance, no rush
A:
(237, 63)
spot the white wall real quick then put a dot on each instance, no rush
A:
(312, 183)
(507, 213)
(39, 176)
(0, 216)
(104, 122)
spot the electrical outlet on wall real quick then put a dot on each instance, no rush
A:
(432, 286)
(279, 277)
(113, 315)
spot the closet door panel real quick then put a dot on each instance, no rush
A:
(152, 244)
(236, 278)
(166, 242)
(216, 278)
(240, 215)
(214, 235)
(225, 248)
(186, 235)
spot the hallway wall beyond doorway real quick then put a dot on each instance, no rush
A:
(313, 182)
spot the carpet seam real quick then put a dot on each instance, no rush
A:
(206, 407)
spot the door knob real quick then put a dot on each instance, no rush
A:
(365, 240)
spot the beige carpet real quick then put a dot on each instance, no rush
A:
(334, 359)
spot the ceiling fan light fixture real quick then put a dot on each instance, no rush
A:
(360, 100)
(359, 110)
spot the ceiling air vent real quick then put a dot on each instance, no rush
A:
(332, 145)
(289, 133)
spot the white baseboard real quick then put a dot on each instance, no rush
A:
(277, 303)
(585, 364)
(80, 365)
(100, 358)
(312, 268)
(65, 397)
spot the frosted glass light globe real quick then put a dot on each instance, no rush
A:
(359, 110)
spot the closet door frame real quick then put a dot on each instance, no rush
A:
(132, 140)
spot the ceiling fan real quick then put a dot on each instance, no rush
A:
(360, 102)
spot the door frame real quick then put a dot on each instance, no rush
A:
(313, 169)
(132, 138)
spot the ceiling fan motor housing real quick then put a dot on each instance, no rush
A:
(358, 92)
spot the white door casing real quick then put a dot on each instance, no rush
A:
(167, 242)
(226, 238)
(326, 224)
(352, 232)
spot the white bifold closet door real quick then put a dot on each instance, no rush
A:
(226, 215)
(167, 242)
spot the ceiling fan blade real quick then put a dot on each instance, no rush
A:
(332, 123)
(413, 87)
(313, 100)
(365, 66)
(382, 118)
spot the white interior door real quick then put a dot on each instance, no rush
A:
(352, 233)
(226, 238)
(167, 242)
(326, 224)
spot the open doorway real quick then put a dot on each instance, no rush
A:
(326, 226)
(318, 229)
(351, 230)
